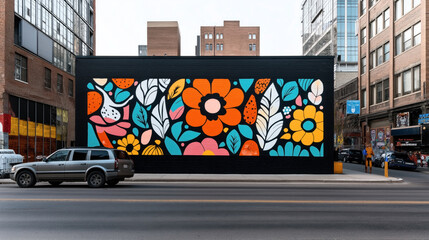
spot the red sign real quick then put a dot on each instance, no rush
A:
(5, 121)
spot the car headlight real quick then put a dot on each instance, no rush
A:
(13, 169)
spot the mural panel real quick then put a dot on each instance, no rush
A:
(185, 117)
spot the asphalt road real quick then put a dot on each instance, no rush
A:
(218, 211)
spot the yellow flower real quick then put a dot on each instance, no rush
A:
(307, 125)
(129, 144)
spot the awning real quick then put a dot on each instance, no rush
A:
(402, 131)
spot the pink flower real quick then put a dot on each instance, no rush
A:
(207, 147)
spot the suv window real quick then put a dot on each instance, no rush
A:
(121, 154)
(57, 156)
(99, 155)
(79, 155)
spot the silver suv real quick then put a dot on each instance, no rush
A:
(96, 166)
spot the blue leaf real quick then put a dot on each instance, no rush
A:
(305, 101)
(135, 131)
(273, 153)
(222, 144)
(280, 151)
(314, 151)
(289, 149)
(246, 131)
(304, 153)
(296, 150)
(172, 147)
(90, 86)
(92, 137)
(280, 81)
(121, 95)
(246, 83)
(188, 136)
(148, 108)
(321, 150)
(233, 141)
(177, 104)
(140, 116)
(305, 83)
(108, 87)
(176, 130)
(290, 91)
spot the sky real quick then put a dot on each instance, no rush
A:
(121, 25)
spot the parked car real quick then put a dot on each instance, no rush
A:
(8, 158)
(350, 155)
(396, 160)
(96, 166)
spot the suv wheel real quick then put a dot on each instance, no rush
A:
(96, 179)
(112, 183)
(55, 183)
(25, 179)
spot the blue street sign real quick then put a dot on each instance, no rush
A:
(353, 107)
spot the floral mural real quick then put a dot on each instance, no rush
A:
(223, 117)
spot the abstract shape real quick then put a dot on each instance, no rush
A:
(261, 85)
(121, 95)
(140, 117)
(146, 91)
(146, 136)
(129, 144)
(250, 148)
(109, 111)
(307, 125)
(163, 83)
(246, 83)
(92, 137)
(316, 152)
(123, 83)
(208, 146)
(246, 131)
(172, 147)
(176, 130)
(94, 101)
(298, 101)
(153, 150)
(90, 86)
(159, 119)
(280, 82)
(135, 131)
(289, 151)
(269, 122)
(290, 91)
(250, 110)
(108, 87)
(177, 109)
(176, 88)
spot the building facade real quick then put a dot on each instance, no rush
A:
(229, 40)
(163, 38)
(39, 41)
(392, 73)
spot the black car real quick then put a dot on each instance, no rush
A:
(396, 160)
(350, 155)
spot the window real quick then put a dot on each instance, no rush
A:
(398, 44)
(254, 36)
(254, 47)
(363, 36)
(207, 47)
(372, 29)
(386, 18)
(20, 68)
(407, 39)
(362, 7)
(372, 60)
(211, 47)
(250, 36)
(417, 34)
(380, 55)
(206, 36)
(416, 78)
(79, 155)
(386, 90)
(250, 47)
(416, 3)
(407, 84)
(398, 9)
(47, 78)
(371, 3)
(221, 47)
(59, 83)
(362, 65)
(363, 98)
(60, 155)
(379, 92)
(217, 47)
(210, 36)
(99, 155)
(386, 52)
(70, 88)
(380, 22)
(217, 35)
(398, 85)
(372, 95)
(403, 7)
(407, 6)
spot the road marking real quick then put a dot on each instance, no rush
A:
(357, 202)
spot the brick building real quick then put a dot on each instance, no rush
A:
(392, 72)
(39, 41)
(229, 40)
(163, 38)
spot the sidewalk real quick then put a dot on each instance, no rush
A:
(348, 176)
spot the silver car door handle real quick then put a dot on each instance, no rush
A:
(83, 164)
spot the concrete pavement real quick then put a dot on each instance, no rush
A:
(348, 176)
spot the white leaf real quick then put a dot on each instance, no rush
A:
(163, 83)
(146, 91)
(159, 119)
(269, 122)
(315, 96)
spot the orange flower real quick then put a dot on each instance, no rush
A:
(212, 105)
